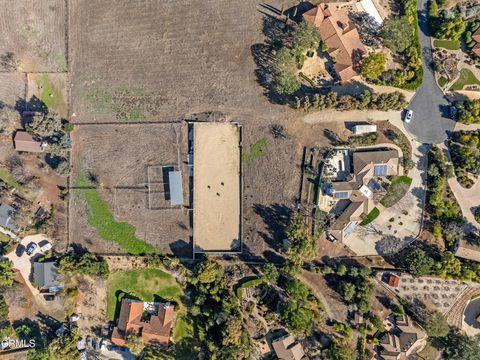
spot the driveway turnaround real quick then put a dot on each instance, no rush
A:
(430, 107)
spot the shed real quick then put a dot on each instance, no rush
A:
(176, 187)
(6, 217)
(45, 275)
(25, 142)
(393, 280)
(364, 129)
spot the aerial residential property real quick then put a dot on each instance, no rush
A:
(240, 180)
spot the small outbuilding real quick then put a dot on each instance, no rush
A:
(286, 348)
(364, 129)
(466, 250)
(176, 188)
(25, 142)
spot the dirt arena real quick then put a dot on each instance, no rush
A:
(216, 188)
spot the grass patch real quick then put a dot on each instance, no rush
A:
(257, 150)
(182, 336)
(101, 218)
(396, 190)
(50, 94)
(146, 285)
(466, 78)
(370, 217)
(442, 81)
(447, 44)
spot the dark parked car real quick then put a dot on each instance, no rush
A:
(20, 250)
(31, 248)
(49, 297)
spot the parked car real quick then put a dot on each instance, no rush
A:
(453, 112)
(49, 297)
(44, 245)
(408, 116)
(20, 250)
(31, 248)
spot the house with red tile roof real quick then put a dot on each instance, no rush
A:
(476, 38)
(152, 322)
(341, 37)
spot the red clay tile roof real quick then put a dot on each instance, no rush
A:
(340, 35)
(476, 36)
(156, 330)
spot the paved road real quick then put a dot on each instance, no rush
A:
(430, 119)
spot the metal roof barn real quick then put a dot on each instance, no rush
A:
(176, 187)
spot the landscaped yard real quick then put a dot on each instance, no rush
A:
(396, 190)
(151, 285)
(447, 44)
(370, 217)
(466, 78)
(101, 218)
(50, 94)
(442, 81)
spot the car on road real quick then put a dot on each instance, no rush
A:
(19, 250)
(31, 248)
(408, 116)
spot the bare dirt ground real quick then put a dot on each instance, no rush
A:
(216, 186)
(34, 32)
(12, 90)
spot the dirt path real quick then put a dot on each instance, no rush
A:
(318, 294)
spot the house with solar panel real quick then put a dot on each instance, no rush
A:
(355, 185)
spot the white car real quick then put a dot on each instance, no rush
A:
(408, 116)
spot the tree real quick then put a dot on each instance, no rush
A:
(45, 125)
(302, 244)
(433, 322)
(64, 347)
(373, 66)
(156, 353)
(7, 277)
(452, 28)
(461, 347)
(208, 271)
(83, 264)
(135, 344)
(418, 263)
(468, 111)
(5, 327)
(341, 270)
(338, 352)
(63, 167)
(397, 33)
(306, 36)
(296, 289)
(433, 9)
(271, 273)
(286, 80)
(297, 318)
(9, 118)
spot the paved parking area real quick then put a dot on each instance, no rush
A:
(436, 293)
(24, 263)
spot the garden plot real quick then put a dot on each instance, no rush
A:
(33, 35)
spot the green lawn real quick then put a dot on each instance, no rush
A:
(101, 218)
(396, 190)
(151, 285)
(442, 81)
(143, 284)
(51, 95)
(447, 44)
(466, 78)
(370, 217)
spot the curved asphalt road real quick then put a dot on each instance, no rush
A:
(431, 120)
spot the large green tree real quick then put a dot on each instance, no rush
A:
(7, 277)
(306, 36)
(418, 263)
(297, 318)
(433, 322)
(397, 33)
(461, 347)
(286, 80)
(451, 28)
(373, 66)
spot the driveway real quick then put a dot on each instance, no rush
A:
(399, 225)
(430, 108)
(24, 264)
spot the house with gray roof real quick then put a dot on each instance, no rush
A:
(46, 276)
(6, 217)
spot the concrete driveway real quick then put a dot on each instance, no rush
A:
(23, 263)
(430, 107)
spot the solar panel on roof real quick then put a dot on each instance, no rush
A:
(380, 170)
(341, 195)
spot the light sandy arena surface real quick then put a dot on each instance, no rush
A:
(216, 186)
